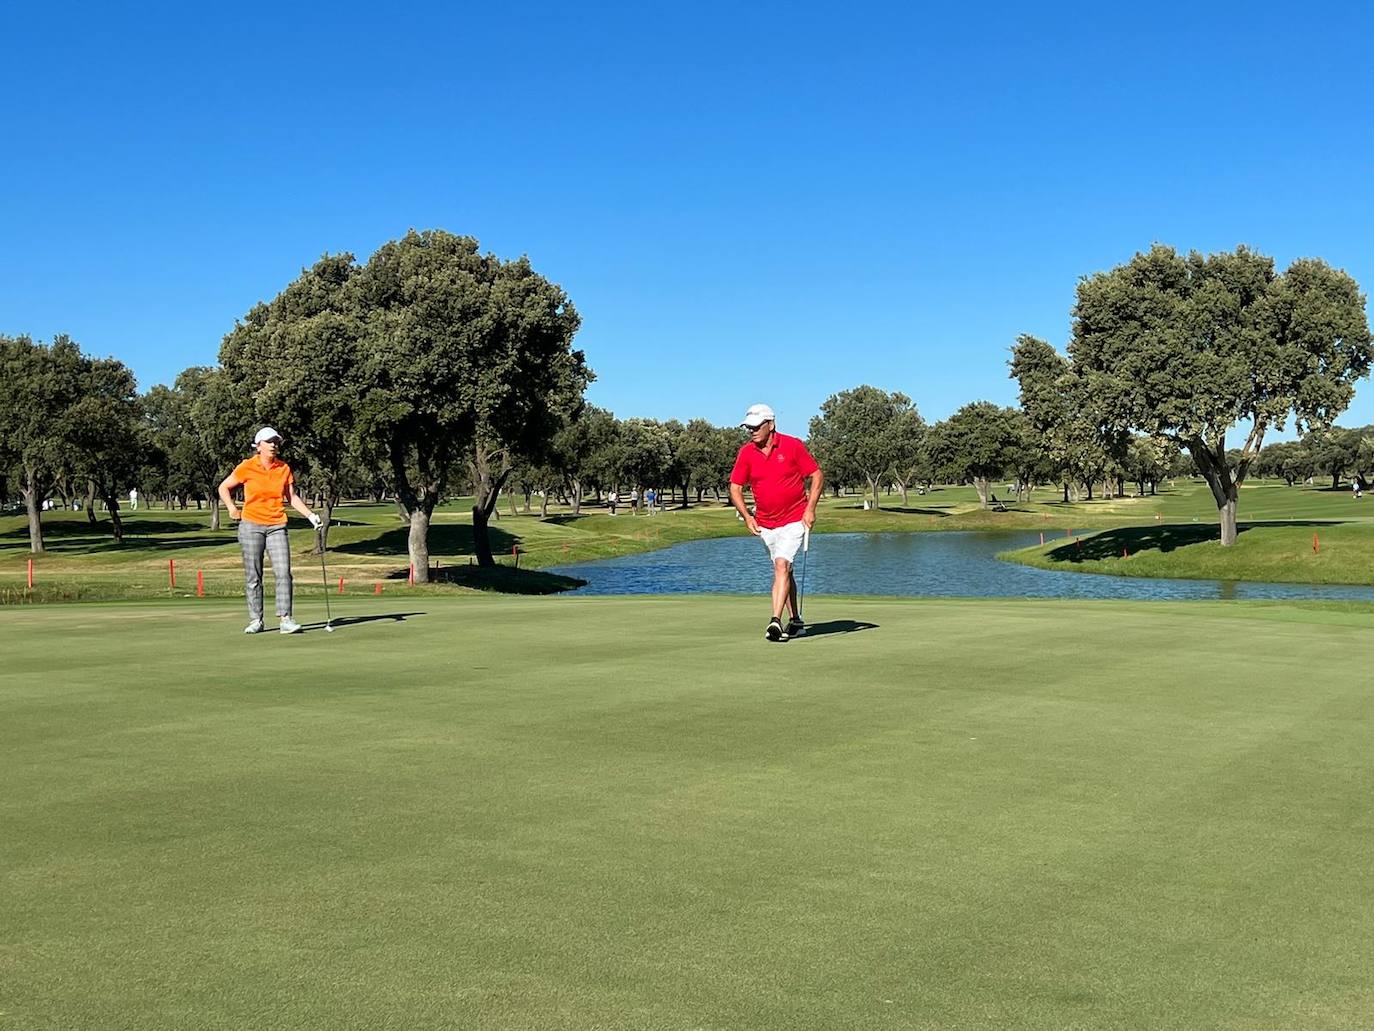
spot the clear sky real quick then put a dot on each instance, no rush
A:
(745, 201)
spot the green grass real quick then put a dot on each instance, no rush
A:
(1296, 552)
(505, 812)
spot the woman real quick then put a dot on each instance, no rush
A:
(267, 483)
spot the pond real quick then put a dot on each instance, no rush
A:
(941, 564)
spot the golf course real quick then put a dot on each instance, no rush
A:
(468, 807)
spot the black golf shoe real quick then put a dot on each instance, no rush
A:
(776, 631)
(795, 627)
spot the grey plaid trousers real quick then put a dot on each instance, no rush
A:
(254, 539)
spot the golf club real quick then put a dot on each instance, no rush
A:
(324, 575)
(801, 587)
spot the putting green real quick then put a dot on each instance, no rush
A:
(506, 812)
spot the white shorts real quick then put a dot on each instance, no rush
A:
(783, 542)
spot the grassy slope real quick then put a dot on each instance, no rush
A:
(369, 544)
(1285, 538)
(510, 813)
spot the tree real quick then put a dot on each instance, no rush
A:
(1334, 450)
(296, 357)
(1291, 461)
(646, 454)
(102, 433)
(38, 385)
(1187, 347)
(222, 416)
(979, 443)
(859, 432)
(1077, 440)
(906, 441)
(1148, 460)
(464, 358)
(576, 445)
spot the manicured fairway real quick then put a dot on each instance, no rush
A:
(633, 813)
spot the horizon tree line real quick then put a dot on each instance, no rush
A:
(434, 369)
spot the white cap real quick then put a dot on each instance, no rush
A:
(266, 433)
(757, 416)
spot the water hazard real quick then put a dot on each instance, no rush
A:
(943, 564)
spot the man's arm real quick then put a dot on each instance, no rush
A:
(813, 495)
(737, 499)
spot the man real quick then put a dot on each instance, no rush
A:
(775, 465)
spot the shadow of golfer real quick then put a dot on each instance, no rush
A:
(338, 621)
(837, 626)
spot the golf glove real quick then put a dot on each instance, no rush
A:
(315, 520)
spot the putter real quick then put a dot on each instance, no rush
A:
(801, 587)
(324, 575)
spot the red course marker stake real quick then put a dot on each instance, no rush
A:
(200, 583)
(172, 573)
(412, 574)
(1316, 544)
(341, 585)
(377, 588)
(30, 574)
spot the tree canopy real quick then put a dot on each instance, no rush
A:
(866, 432)
(1188, 346)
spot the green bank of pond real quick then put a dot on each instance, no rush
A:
(1294, 551)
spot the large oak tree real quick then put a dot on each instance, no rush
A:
(1189, 346)
(465, 359)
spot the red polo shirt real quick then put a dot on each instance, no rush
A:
(779, 493)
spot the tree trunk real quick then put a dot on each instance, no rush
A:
(1336, 480)
(33, 505)
(401, 509)
(1227, 514)
(417, 544)
(982, 486)
(575, 496)
(212, 499)
(1066, 492)
(873, 486)
(486, 491)
(90, 502)
(1225, 487)
(905, 501)
(544, 505)
(116, 523)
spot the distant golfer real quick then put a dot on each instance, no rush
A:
(775, 465)
(268, 487)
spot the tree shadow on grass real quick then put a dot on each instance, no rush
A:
(837, 626)
(1164, 539)
(499, 579)
(58, 529)
(444, 539)
(90, 545)
(904, 510)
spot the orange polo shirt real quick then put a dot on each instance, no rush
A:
(264, 490)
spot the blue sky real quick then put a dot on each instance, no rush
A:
(745, 202)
